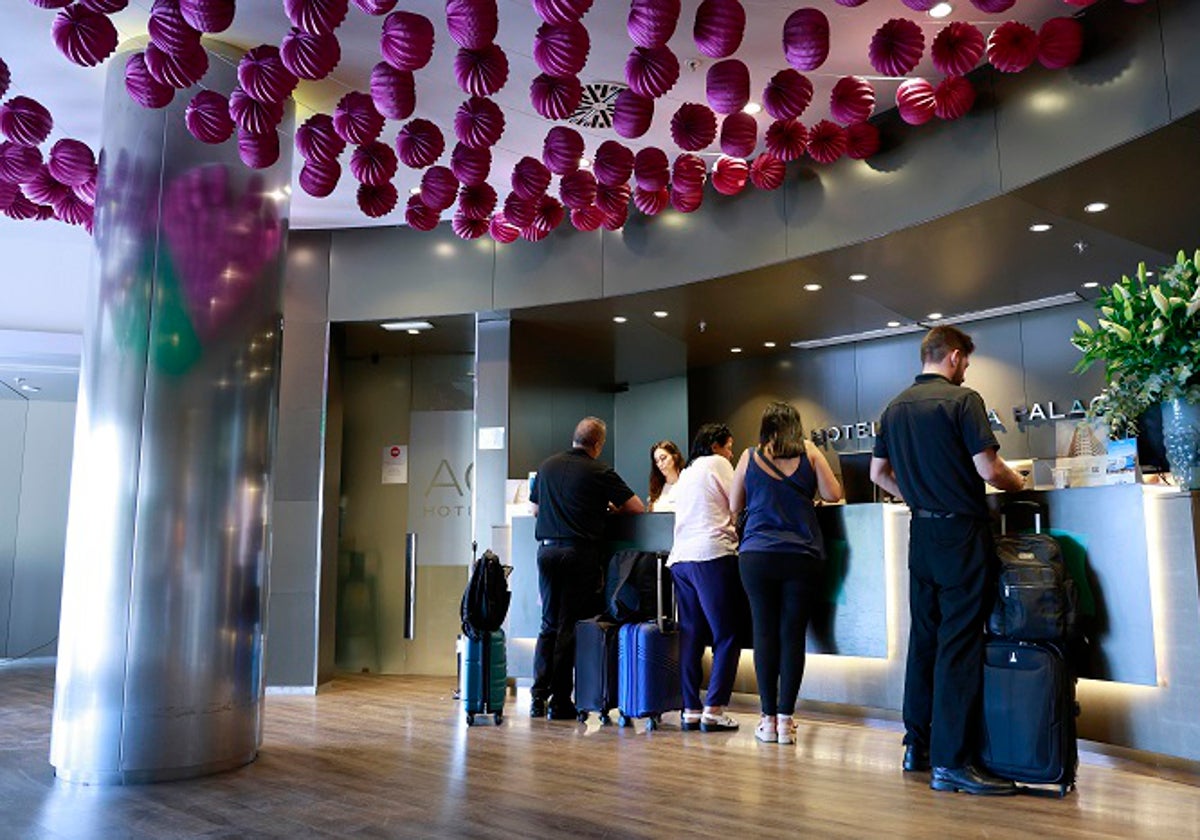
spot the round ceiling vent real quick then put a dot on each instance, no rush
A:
(596, 107)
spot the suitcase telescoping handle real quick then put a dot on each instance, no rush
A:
(1023, 504)
(658, 590)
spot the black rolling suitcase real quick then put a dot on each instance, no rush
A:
(649, 680)
(596, 668)
(1029, 712)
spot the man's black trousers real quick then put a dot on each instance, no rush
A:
(571, 582)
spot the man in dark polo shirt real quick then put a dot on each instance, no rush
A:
(571, 495)
(935, 449)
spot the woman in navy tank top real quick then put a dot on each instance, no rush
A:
(781, 557)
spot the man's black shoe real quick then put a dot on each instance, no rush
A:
(562, 713)
(969, 779)
(537, 708)
(916, 759)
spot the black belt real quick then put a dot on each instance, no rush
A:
(937, 514)
(557, 541)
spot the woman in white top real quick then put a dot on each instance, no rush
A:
(704, 570)
(665, 463)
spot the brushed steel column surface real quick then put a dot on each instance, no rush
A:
(161, 639)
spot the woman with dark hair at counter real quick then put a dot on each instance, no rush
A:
(665, 463)
(782, 556)
(704, 571)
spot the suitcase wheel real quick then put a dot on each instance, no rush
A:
(652, 723)
(582, 717)
(498, 718)
(470, 718)
(1063, 790)
(605, 720)
(623, 721)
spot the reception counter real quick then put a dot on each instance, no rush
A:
(1133, 550)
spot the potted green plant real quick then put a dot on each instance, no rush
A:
(1148, 337)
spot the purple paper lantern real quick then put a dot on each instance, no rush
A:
(355, 119)
(578, 189)
(896, 47)
(377, 201)
(651, 202)
(560, 11)
(252, 116)
(316, 16)
(739, 135)
(317, 140)
(613, 199)
(207, 15)
(555, 97)
(562, 149)
(787, 139)
(533, 234)
(84, 36)
(689, 173)
(587, 219)
(614, 163)
(373, 163)
(143, 88)
(467, 228)
(957, 48)
(826, 142)
(5, 78)
(862, 141)
(651, 23)
(728, 86)
(915, 101)
(953, 98)
(651, 168)
(502, 230)
(470, 166)
(633, 114)
(651, 72)
(519, 211)
(21, 208)
(686, 201)
(787, 95)
(18, 162)
(420, 217)
(207, 117)
(51, 4)
(8, 194)
(72, 162)
(550, 213)
(310, 56)
(258, 151)
(473, 24)
(806, 39)
(530, 178)
(439, 188)
(168, 29)
(920, 5)
(719, 27)
(318, 178)
(179, 71)
(74, 210)
(477, 200)
(375, 7)
(993, 7)
(407, 40)
(25, 121)
(693, 127)
(1060, 43)
(767, 172)
(561, 49)
(478, 123)
(730, 175)
(420, 143)
(852, 100)
(393, 91)
(105, 7)
(262, 74)
(44, 188)
(1012, 47)
(481, 72)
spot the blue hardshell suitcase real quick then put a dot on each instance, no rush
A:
(596, 668)
(649, 681)
(485, 676)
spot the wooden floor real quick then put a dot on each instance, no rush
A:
(393, 757)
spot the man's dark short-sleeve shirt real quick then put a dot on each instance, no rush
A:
(930, 433)
(572, 491)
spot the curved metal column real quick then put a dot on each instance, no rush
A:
(161, 640)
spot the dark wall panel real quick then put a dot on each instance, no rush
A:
(1118, 91)
(563, 267)
(1181, 22)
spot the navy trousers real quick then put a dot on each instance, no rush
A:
(708, 595)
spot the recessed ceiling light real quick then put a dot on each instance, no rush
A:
(735, 349)
(940, 10)
(32, 389)
(584, 163)
(409, 326)
(934, 316)
(1091, 284)
(857, 278)
(752, 108)
(768, 344)
(893, 323)
(619, 319)
(1095, 207)
(1040, 227)
(414, 191)
(812, 287)
(661, 313)
(413, 332)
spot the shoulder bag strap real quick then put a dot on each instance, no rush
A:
(780, 474)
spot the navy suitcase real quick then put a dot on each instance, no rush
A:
(1029, 714)
(485, 677)
(596, 668)
(649, 681)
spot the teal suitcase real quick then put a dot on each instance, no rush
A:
(485, 677)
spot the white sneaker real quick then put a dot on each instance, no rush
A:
(785, 729)
(765, 731)
(717, 723)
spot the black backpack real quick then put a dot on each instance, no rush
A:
(485, 601)
(631, 586)
(1036, 598)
